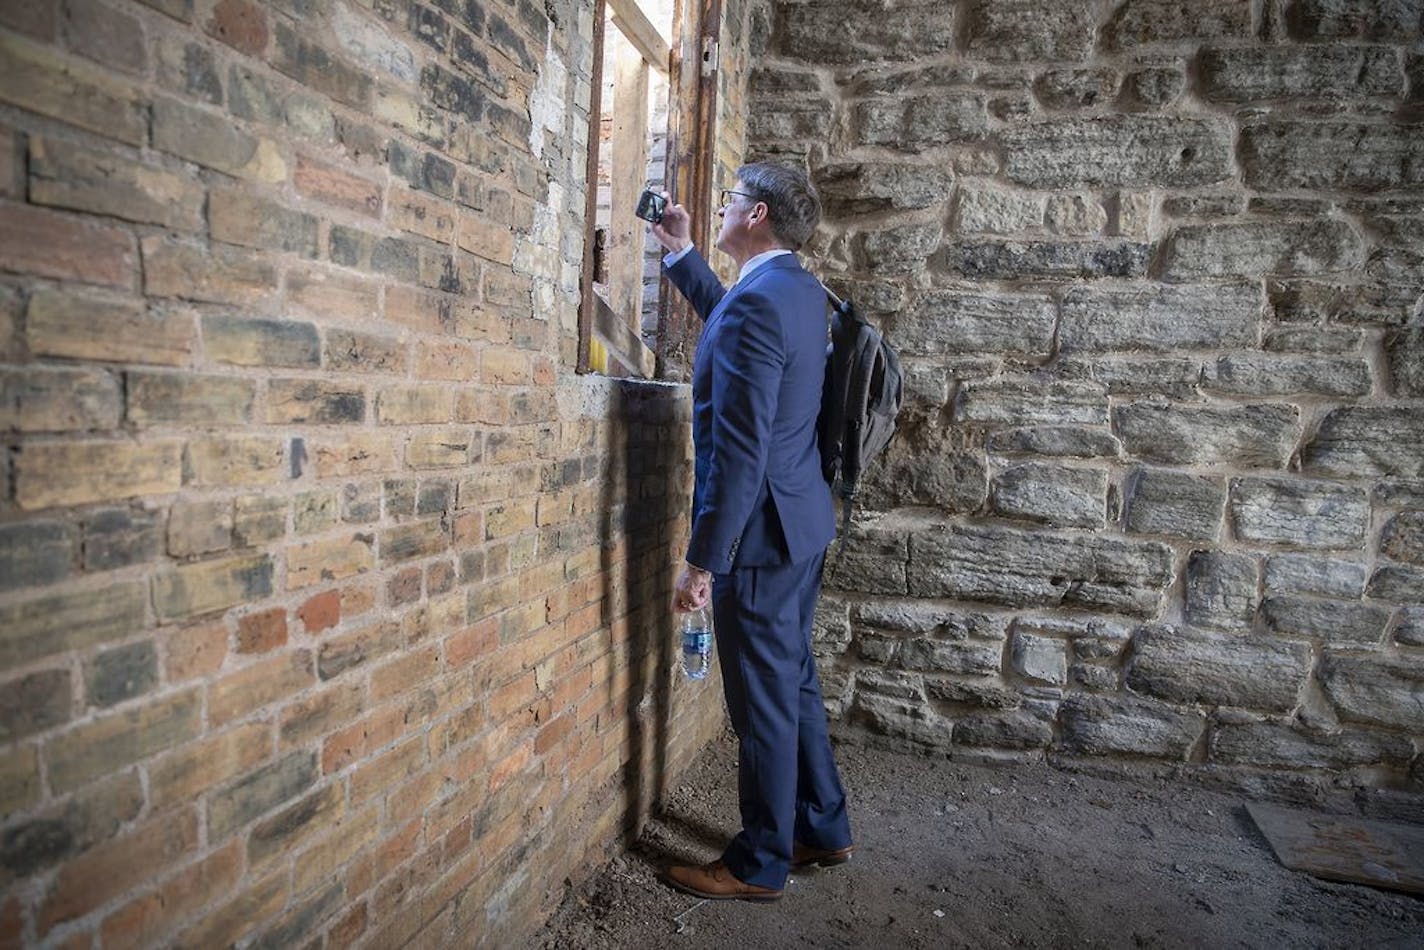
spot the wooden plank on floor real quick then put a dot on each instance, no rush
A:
(1344, 848)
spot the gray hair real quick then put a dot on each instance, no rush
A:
(793, 207)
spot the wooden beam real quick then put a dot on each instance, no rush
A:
(633, 23)
(587, 301)
(629, 175)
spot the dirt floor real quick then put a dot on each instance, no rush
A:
(958, 855)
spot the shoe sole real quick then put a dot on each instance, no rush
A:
(826, 862)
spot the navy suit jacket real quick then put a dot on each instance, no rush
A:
(759, 497)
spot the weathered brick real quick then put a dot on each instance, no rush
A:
(19, 778)
(146, 920)
(119, 739)
(189, 69)
(313, 401)
(113, 676)
(188, 399)
(241, 218)
(355, 453)
(34, 703)
(41, 399)
(221, 462)
(263, 631)
(321, 612)
(490, 239)
(41, 81)
(76, 473)
(406, 405)
(33, 553)
(259, 791)
(354, 351)
(329, 559)
(194, 651)
(114, 867)
(240, 24)
(264, 682)
(185, 773)
(223, 275)
(337, 187)
(442, 448)
(316, 68)
(69, 176)
(106, 36)
(347, 650)
(190, 590)
(224, 926)
(67, 324)
(421, 214)
(315, 511)
(258, 518)
(320, 713)
(287, 830)
(414, 540)
(444, 360)
(52, 244)
(210, 139)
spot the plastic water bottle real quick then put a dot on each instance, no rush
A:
(696, 630)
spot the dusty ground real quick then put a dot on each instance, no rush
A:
(956, 855)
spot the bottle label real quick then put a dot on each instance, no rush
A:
(697, 641)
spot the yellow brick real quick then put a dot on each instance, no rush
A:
(258, 685)
(421, 214)
(481, 234)
(329, 559)
(354, 453)
(423, 310)
(331, 295)
(120, 739)
(191, 590)
(68, 176)
(505, 367)
(77, 473)
(235, 460)
(118, 329)
(441, 448)
(407, 405)
(186, 773)
(444, 361)
(19, 778)
(40, 81)
(226, 275)
(45, 399)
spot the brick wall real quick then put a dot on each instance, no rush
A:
(332, 605)
(1156, 270)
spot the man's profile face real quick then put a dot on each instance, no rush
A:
(733, 212)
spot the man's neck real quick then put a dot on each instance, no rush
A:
(746, 254)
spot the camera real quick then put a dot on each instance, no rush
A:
(651, 206)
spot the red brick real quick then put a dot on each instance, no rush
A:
(470, 644)
(405, 673)
(321, 612)
(142, 922)
(355, 742)
(240, 24)
(333, 186)
(261, 632)
(48, 244)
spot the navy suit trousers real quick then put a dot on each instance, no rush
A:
(788, 784)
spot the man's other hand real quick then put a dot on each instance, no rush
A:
(694, 590)
(674, 231)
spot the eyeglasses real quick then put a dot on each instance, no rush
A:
(727, 194)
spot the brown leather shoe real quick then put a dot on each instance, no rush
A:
(803, 856)
(716, 883)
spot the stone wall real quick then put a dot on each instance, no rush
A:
(1155, 269)
(332, 605)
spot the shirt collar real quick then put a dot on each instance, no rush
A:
(756, 262)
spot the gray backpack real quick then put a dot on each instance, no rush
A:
(862, 395)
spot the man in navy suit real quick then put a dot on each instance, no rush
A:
(762, 519)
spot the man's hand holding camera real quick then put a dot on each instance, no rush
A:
(673, 228)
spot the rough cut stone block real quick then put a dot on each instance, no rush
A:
(1174, 503)
(1271, 744)
(1410, 629)
(1157, 86)
(1330, 620)
(1221, 590)
(1015, 402)
(1065, 441)
(1244, 436)
(1306, 574)
(1031, 568)
(900, 249)
(1192, 667)
(1041, 659)
(1263, 247)
(867, 187)
(840, 32)
(994, 211)
(1300, 72)
(801, 119)
(1403, 538)
(1147, 22)
(1374, 19)
(1111, 725)
(1161, 318)
(941, 656)
(910, 124)
(1160, 376)
(1260, 374)
(1044, 259)
(1336, 155)
(1405, 350)
(1075, 215)
(1397, 584)
(1380, 690)
(1356, 441)
(957, 321)
(1309, 514)
(1076, 88)
(1022, 31)
(1052, 494)
(1118, 150)
(873, 562)
(1016, 730)
(922, 617)
(925, 471)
